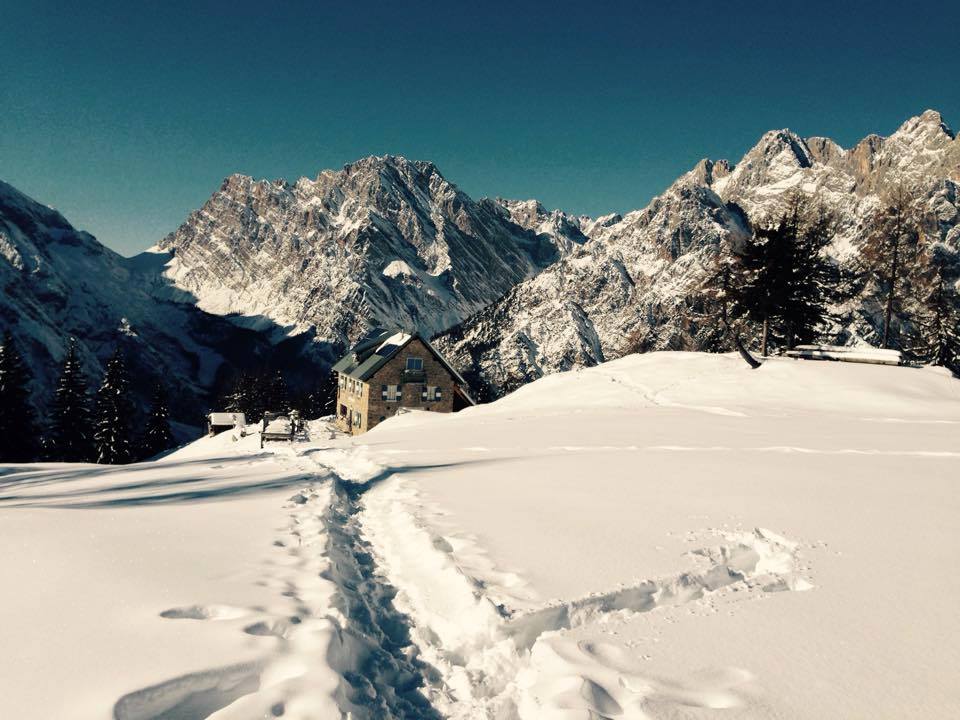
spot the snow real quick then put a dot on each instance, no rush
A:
(601, 511)
(395, 340)
(397, 268)
(226, 418)
(664, 535)
(92, 556)
(279, 426)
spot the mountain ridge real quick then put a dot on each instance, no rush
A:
(578, 312)
(513, 289)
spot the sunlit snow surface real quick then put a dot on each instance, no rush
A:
(664, 536)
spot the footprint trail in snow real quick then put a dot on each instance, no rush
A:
(378, 615)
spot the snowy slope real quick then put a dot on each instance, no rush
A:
(638, 277)
(673, 535)
(663, 536)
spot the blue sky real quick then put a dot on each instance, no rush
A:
(126, 115)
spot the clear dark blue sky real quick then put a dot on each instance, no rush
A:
(127, 115)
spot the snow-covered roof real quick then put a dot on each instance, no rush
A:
(225, 418)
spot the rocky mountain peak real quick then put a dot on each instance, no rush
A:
(706, 172)
(15, 203)
(565, 232)
(384, 238)
(928, 124)
(779, 146)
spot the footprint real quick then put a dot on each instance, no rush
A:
(275, 628)
(204, 612)
(197, 695)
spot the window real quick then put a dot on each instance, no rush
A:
(430, 393)
(341, 381)
(343, 411)
(357, 418)
(414, 363)
(391, 393)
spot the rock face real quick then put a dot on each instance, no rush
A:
(555, 226)
(384, 240)
(58, 281)
(635, 274)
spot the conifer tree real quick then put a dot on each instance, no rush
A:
(323, 399)
(19, 438)
(889, 254)
(936, 335)
(783, 280)
(157, 435)
(71, 433)
(113, 420)
(761, 289)
(814, 281)
(244, 396)
(276, 394)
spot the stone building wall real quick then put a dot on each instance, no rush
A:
(353, 402)
(394, 373)
(374, 409)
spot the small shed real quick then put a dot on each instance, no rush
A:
(218, 422)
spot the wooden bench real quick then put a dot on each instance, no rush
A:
(873, 356)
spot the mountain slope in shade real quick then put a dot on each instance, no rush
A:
(58, 281)
(633, 278)
(385, 240)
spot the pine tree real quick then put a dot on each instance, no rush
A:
(157, 435)
(323, 399)
(19, 438)
(814, 282)
(71, 434)
(936, 335)
(244, 396)
(276, 394)
(113, 421)
(888, 255)
(720, 330)
(783, 281)
(761, 289)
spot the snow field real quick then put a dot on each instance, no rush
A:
(638, 495)
(666, 536)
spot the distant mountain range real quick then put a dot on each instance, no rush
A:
(288, 274)
(631, 279)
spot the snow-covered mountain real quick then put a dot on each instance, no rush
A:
(58, 281)
(297, 271)
(384, 239)
(563, 230)
(632, 280)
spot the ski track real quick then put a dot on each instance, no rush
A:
(378, 615)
